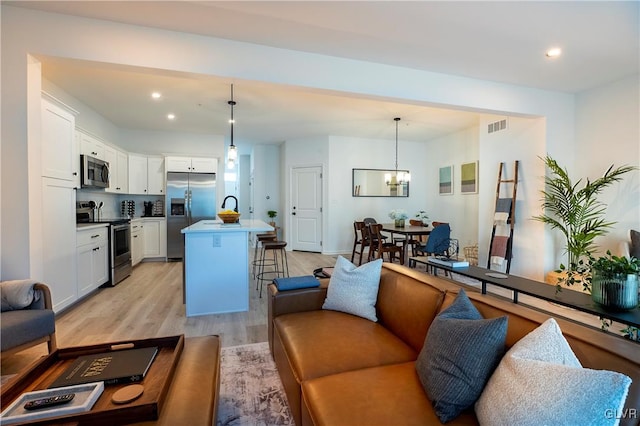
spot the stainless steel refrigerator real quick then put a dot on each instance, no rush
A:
(191, 197)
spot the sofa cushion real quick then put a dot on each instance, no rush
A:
(540, 381)
(387, 395)
(18, 327)
(353, 289)
(459, 354)
(319, 343)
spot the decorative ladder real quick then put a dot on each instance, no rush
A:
(500, 247)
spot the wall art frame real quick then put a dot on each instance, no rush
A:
(469, 178)
(445, 180)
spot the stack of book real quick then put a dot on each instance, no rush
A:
(450, 262)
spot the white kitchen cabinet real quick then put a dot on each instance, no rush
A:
(192, 164)
(137, 241)
(122, 172)
(91, 146)
(155, 237)
(118, 170)
(155, 175)
(92, 246)
(60, 158)
(146, 175)
(137, 174)
(59, 241)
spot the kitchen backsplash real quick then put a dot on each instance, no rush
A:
(112, 202)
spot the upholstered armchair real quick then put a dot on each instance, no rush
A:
(27, 317)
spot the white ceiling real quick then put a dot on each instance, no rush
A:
(498, 41)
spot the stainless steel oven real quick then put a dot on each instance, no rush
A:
(120, 240)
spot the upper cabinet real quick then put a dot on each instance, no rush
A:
(192, 164)
(118, 170)
(91, 146)
(59, 153)
(155, 175)
(146, 175)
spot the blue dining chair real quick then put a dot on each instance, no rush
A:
(438, 242)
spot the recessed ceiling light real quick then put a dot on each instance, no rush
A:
(156, 95)
(554, 52)
(171, 116)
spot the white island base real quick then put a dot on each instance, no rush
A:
(217, 266)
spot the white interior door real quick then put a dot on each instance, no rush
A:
(306, 209)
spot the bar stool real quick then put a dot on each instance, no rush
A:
(260, 238)
(277, 249)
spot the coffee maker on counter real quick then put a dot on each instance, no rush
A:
(153, 209)
(148, 209)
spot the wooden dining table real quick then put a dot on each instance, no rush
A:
(408, 231)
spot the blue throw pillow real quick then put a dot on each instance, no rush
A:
(460, 352)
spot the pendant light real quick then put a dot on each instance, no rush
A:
(232, 154)
(398, 178)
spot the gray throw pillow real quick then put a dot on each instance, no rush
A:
(540, 381)
(460, 352)
(634, 249)
(16, 294)
(354, 290)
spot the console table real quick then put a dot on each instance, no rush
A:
(569, 298)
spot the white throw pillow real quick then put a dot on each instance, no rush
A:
(354, 290)
(541, 382)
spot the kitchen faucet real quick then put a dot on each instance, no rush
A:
(225, 201)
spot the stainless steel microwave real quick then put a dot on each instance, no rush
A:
(94, 172)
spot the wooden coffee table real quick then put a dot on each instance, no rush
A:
(182, 389)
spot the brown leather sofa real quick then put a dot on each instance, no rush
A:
(338, 369)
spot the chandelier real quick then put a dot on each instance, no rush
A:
(398, 178)
(232, 154)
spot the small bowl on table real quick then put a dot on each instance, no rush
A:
(229, 217)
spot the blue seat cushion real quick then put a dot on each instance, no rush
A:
(23, 326)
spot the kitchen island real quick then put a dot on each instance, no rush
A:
(216, 266)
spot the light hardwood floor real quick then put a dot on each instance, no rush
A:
(149, 304)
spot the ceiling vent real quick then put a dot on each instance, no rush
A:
(497, 126)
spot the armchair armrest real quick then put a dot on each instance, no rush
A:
(44, 301)
(290, 301)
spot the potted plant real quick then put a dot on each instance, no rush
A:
(272, 215)
(577, 213)
(422, 218)
(614, 281)
(398, 216)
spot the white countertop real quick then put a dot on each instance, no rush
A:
(86, 226)
(246, 225)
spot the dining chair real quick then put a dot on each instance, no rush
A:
(381, 247)
(438, 242)
(360, 238)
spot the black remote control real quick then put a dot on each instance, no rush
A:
(36, 404)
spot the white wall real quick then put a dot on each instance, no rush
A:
(608, 132)
(110, 42)
(459, 210)
(346, 153)
(266, 181)
(524, 140)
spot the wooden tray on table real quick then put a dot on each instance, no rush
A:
(42, 373)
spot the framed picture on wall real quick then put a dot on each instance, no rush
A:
(469, 178)
(445, 181)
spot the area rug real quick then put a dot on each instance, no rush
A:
(251, 392)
